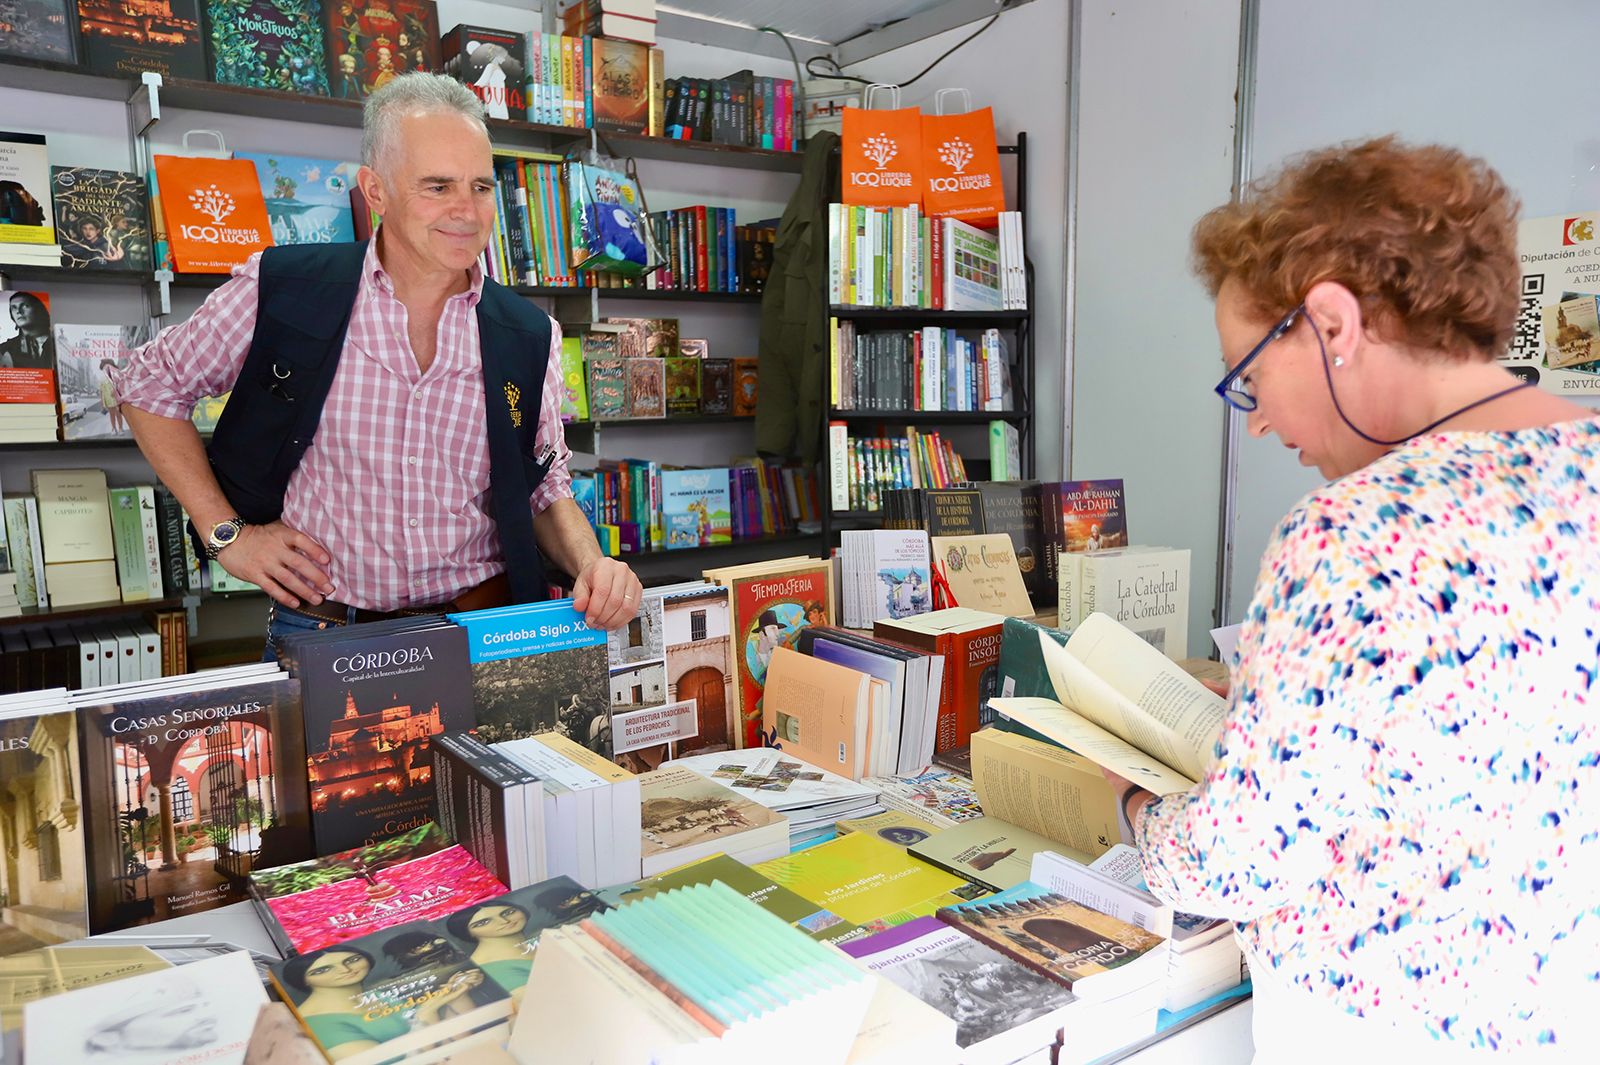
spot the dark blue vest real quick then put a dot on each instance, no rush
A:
(306, 297)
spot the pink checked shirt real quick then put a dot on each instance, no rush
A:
(396, 482)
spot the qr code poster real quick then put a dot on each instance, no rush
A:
(1557, 338)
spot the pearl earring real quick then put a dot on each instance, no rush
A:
(1338, 360)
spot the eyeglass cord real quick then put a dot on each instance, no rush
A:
(1337, 406)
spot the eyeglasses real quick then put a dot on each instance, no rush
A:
(1231, 388)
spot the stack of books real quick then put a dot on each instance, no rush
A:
(884, 573)
(705, 249)
(809, 797)
(623, 20)
(927, 369)
(592, 810)
(685, 816)
(700, 968)
(493, 804)
(742, 109)
(898, 257)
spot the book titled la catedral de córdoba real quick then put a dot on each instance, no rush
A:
(373, 699)
(538, 668)
(185, 792)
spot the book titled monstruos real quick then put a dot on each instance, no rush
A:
(186, 789)
(538, 668)
(1096, 956)
(267, 44)
(373, 698)
(414, 876)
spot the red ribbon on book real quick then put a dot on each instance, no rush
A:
(943, 597)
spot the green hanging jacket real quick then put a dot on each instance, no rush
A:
(793, 350)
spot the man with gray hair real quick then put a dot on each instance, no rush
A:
(393, 443)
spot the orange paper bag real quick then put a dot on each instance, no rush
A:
(216, 218)
(882, 154)
(961, 167)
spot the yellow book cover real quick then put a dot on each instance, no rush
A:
(863, 879)
(599, 765)
(893, 827)
(74, 515)
(35, 974)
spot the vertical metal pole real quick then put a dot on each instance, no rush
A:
(1243, 134)
(1069, 256)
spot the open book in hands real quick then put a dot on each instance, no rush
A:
(1124, 706)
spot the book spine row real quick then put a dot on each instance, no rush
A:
(743, 110)
(531, 242)
(896, 257)
(876, 465)
(559, 89)
(704, 249)
(623, 501)
(928, 369)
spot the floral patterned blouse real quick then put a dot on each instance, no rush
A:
(1404, 807)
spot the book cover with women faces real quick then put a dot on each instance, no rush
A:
(390, 995)
(199, 1013)
(499, 935)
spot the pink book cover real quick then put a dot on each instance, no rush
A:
(328, 900)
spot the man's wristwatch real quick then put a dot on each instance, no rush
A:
(223, 533)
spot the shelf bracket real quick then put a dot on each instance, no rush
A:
(144, 106)
(162, 282)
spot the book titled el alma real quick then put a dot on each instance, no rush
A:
(416, 876)
(215, 214)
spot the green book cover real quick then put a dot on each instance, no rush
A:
(1022, 673)
(816, 922)
(127, 540)
(575, 396)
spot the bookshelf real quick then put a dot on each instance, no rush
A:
(152, 106)
(967, 428)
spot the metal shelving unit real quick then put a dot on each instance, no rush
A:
(1019, 324)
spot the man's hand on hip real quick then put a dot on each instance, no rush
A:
(607, 593)
(287, 564)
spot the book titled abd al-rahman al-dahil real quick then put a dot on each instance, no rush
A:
(373, 698)
(185, 792)
(268, 44)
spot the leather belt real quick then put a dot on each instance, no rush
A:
(496, 591)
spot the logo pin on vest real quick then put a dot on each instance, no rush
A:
(513, 395)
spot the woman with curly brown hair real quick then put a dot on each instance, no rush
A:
(1402, 815)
